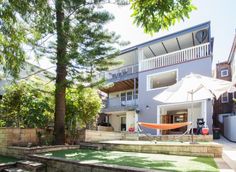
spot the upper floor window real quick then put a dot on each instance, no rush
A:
(224, 72)
(129, 95)
(161, 80)
(225, 98)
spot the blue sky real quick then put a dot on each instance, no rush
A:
(221, 13)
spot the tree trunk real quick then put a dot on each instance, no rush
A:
(60, 102)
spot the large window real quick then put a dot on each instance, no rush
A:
(161, 80)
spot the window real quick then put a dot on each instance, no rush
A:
(161, 80)
(136, 95)
(224, 72)
(225, 98)
(129, 95)
(123, 97)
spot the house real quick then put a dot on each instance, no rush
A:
(224, 105)
(147, 69)
(28, 71)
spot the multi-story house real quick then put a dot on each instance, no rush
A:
(149, 68)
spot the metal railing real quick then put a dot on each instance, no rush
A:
(119, 72)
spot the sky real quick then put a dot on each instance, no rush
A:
(221, 13)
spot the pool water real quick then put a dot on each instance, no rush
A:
(139, 160)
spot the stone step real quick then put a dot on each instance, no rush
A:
(230, 158)
(31, 166)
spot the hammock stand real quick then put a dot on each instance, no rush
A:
(164, 127)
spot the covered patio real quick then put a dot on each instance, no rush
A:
(181, 112)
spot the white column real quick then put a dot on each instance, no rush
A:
(158, 118)
(136, 121)
(140, 58)
(204, 110)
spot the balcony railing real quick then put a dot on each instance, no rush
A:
(120, 72)
(116, 102)
(176, 57)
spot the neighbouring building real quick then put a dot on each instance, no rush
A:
(28, 71)
(147, 69)
(224, 105)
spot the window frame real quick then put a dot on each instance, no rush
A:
(159, 73)
(227, 97)
(222, 71)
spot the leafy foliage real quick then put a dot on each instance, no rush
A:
(24, 105)
(82, 107)
(154, 15)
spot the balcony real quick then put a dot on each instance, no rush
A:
(120, 73)
(176, 57)
(115, 104)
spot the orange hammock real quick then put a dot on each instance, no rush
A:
(164, 126)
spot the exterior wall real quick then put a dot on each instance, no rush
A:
(127, 59)
(200, 66)
(130, 119)
(115, 121)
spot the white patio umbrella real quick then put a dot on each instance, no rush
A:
(194, 87)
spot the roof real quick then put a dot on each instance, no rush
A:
(233, 49)
(170, 36)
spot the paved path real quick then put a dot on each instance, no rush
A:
(229, 155)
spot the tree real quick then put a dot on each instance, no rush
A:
(24, 105)
(83, 105)
(80, 43)
(154, 15)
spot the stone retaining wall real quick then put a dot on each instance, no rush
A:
(185, 138)
(18, 136)
(96, 136)
(208, 149)
(23, 152)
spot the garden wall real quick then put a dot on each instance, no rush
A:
(96, 136)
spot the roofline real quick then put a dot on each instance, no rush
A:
(172, 35)
(232, 51)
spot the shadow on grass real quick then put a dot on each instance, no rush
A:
(208, 161)
(106, 157)
(133, 160)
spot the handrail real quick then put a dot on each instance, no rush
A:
(176, 57)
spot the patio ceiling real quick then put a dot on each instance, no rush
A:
(120, 86)
(172, 42)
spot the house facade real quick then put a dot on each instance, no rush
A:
(149, 68)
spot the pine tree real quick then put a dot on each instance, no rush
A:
(71, 34)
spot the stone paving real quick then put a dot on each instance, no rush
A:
(229, 155)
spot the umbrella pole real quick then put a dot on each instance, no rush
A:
(192, 115)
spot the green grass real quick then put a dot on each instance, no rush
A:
(140, 160)
(6, 159)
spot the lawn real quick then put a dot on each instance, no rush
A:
(140, 160)
(6, 159)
